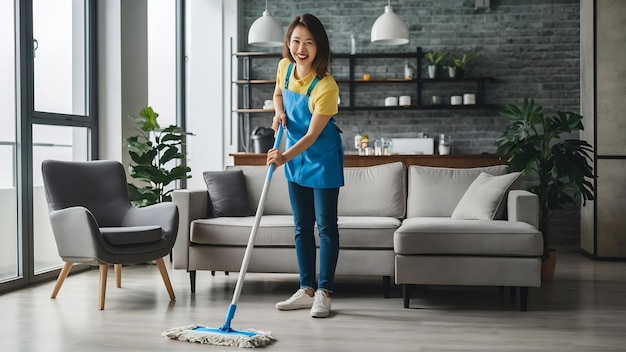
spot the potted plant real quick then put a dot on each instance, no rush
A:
(457, 65)
(435, 60)
(532, 143)
(151, 151)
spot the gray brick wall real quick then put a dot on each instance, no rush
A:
(530, 47)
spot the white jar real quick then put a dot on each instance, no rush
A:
(469, 99)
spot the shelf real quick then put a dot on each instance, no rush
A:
(415, 87)
(257, 54)
(252, 111)
(422, 107)
(255, 81)
(468, 80)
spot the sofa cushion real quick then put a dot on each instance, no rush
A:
(227, 193)
(366, 232)
(437, 191)
(278, 231)
(485, 198)
(274, 230)
(438, 236)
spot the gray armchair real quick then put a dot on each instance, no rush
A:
(94, 222)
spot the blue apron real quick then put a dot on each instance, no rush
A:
(320, 165)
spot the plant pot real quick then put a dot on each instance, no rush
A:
(548, 266)
(455, 72)
(432, 71)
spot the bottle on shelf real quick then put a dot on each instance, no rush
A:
(352, 45)
(408, 70)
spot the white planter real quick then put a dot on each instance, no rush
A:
(432, 71)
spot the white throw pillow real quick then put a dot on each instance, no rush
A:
(485, 197)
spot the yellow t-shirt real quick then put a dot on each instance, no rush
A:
(324, 96)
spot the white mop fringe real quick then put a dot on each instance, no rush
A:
(187, 333)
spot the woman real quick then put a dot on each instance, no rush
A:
(305, 99)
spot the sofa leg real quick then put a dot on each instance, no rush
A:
(192, 280)
(406, 294)
(212, 272)
(523, 298)
(386, 286)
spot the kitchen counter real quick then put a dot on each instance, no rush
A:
(353, 160)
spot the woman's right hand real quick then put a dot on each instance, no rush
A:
(279, 118)
(274, 156)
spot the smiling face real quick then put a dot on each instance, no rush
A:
(302, 46)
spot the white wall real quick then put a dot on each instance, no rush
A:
(208, 85)
(123, 83)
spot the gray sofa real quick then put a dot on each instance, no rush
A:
(391, 222)
(435, 246)
(371, 206)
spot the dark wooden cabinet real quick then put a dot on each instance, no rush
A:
(453, 160)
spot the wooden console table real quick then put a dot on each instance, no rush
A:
(454, 160)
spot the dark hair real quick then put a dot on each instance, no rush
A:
(324, 57)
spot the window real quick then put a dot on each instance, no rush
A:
(45, 92)
(8, 197)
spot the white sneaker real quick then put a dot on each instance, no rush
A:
(299, 300)
(321, 305)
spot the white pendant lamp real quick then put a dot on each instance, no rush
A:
(266, 31)
(389, 29)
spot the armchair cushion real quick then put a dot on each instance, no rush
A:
(227, 193)
(127, 235)
(485, 197)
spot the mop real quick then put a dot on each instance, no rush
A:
(225, 335)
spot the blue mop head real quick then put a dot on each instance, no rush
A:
(223, 336)
(248, 338)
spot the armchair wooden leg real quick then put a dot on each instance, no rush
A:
(62, 275)
(104, 270)
(118, 274)
(166, 278)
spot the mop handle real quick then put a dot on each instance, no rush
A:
(257, 221)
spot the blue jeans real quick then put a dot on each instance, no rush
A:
(308, 206)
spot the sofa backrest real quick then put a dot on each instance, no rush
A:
(378, 190)
(369, 191)
(277, 202)
(437, 191)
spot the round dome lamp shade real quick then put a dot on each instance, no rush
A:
(389, 29)
(266, 31)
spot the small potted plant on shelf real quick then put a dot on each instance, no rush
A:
(532, 143)
(435, 60)
(457, 64)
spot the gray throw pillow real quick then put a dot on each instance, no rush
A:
(227, 192)
(485, 199)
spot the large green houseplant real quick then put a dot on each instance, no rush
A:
(533, 144)
(152, 152)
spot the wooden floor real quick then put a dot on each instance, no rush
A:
(583, 309)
